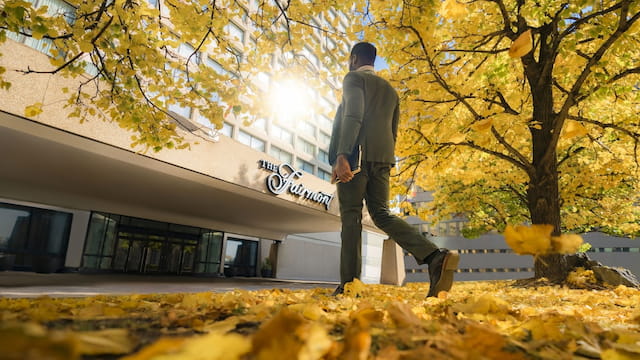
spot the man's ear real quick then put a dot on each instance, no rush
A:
(353, 59)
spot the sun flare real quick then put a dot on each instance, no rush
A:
(290, 101)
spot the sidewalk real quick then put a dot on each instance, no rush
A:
(29, 284)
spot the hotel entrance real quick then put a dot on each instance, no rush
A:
(131, 245)
(144, 251)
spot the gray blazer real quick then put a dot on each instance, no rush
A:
(367, 116)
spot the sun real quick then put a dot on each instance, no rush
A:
(290, 101)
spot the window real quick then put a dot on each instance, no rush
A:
(235, 32)
(306, 146)
(54, 7)
(331, 44)
(260, 124)
(325, 122)
(38, 238)
(307, 129)
(215, 66)
(185, 111)
(280, 154)
(316, 27)
(326, 105)
(251, 141)
(310, 56)
(227, 129)
(324, 175)
(325, 138)
(323, 156)
(185, 50)
(204, 122)
(281, 134)
(304, 166)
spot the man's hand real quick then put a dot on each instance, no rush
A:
(342, 170)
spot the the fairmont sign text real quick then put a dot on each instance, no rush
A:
(283, 179)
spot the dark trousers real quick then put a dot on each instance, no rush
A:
(372, 185)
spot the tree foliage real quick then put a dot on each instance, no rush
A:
(517, 111)
(513, 110)
(134, 59)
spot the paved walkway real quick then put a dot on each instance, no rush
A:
(28, 284)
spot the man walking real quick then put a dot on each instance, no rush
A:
(367, 121)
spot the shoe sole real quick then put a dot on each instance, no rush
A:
(450, 265)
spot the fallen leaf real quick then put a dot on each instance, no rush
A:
(107, 341)
(531, 240)
(522, 45)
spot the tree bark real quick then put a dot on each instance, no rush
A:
(543, 189)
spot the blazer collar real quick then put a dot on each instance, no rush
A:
(366, 68)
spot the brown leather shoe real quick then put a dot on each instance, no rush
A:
(441, 269)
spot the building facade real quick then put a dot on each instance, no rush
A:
(76, 196)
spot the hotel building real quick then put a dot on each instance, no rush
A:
(76, 197)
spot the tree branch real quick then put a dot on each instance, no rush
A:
(623, 25)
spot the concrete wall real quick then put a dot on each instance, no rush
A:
(490, 258)
(316, 257)
(313, 256)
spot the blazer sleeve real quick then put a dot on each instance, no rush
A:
(335, 135)
(396, 119)
(352, 112)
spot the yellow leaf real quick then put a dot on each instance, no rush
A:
(367, 314)
(162, 346)
(573, 129)
(108, 341)
(85, 46)
(615, 354)
(482, 125)
(581, 277)
(485, 304)
(289, 336)
(357, 341)
(309, 311)
(33, 110)
(452, 9)
(457, 138)
(402, 315)
(566, 243)
(522, 45)
(354, 288)
(532, 240)
(33, 341)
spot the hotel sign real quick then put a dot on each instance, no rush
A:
(283, 179)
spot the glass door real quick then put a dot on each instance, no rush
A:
(241, 257)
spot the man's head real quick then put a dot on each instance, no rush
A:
(362, 53)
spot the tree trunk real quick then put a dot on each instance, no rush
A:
(544, 207)
(542, 192)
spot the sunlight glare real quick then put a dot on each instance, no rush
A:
(290, 101)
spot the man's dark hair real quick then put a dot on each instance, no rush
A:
(365, 51)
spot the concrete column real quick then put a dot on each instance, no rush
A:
(371, 257)
(393, 270)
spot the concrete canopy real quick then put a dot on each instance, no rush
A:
(43, 164)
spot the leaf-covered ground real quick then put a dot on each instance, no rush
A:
(476, 320)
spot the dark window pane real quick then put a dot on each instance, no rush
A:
(14, 227)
